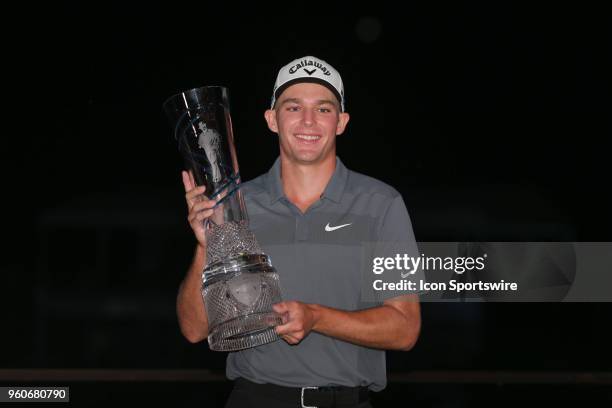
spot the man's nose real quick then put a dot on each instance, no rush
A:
(308, 117)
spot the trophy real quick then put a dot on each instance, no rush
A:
(239, 283)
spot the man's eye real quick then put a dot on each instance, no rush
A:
(324, 110)
(293, 108)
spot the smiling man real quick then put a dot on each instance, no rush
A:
(313, 216)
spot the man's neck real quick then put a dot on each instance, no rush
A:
(303, 184)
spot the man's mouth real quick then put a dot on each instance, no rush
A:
(308, 139)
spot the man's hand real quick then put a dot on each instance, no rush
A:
(200, 208)
(298, 320)
(190, 308)
(395, 325)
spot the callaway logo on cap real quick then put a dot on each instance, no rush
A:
(309, 69)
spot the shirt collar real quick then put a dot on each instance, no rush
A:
(275, 186)
(333, 191)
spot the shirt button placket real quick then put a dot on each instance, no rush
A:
(301, 225)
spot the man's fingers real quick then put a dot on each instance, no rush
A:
(186, 181)
(199, 216)
(195, 192)
(283, 329)
(203, 205)
(280, 307)
(285, 317)
(202, 215)
(283, 309)
(290, 339)
(192, 195)
(290, 328)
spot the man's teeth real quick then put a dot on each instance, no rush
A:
(308, 137)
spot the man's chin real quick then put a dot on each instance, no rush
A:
(314, 158)
(311, 157)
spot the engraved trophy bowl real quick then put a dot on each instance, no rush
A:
(239, 283)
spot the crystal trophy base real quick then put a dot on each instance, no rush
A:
(239, 294)
(244, 332)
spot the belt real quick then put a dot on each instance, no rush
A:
(310, 397)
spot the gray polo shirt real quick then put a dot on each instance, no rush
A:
(321, 265)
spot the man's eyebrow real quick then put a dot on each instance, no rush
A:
(290, 100)
(325, 101)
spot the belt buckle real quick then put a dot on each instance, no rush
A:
(302, 396)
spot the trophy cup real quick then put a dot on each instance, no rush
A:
(239, 283)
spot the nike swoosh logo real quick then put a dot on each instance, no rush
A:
(310, 72)
(330, 229)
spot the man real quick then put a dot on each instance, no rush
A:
(312, 216)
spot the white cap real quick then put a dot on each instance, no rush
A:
(309, 69)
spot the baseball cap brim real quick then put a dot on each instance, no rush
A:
(326, 84)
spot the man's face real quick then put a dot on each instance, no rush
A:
(307, 119)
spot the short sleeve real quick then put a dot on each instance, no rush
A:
(393, 258)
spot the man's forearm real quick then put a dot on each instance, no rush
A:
(190, 306)
(382, 327)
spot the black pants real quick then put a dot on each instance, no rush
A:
(250, 395)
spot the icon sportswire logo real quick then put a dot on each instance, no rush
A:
(329, 229)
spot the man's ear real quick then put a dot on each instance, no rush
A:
(270, 116)
(343, 119)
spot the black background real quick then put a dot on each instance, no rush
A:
(492, 120)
